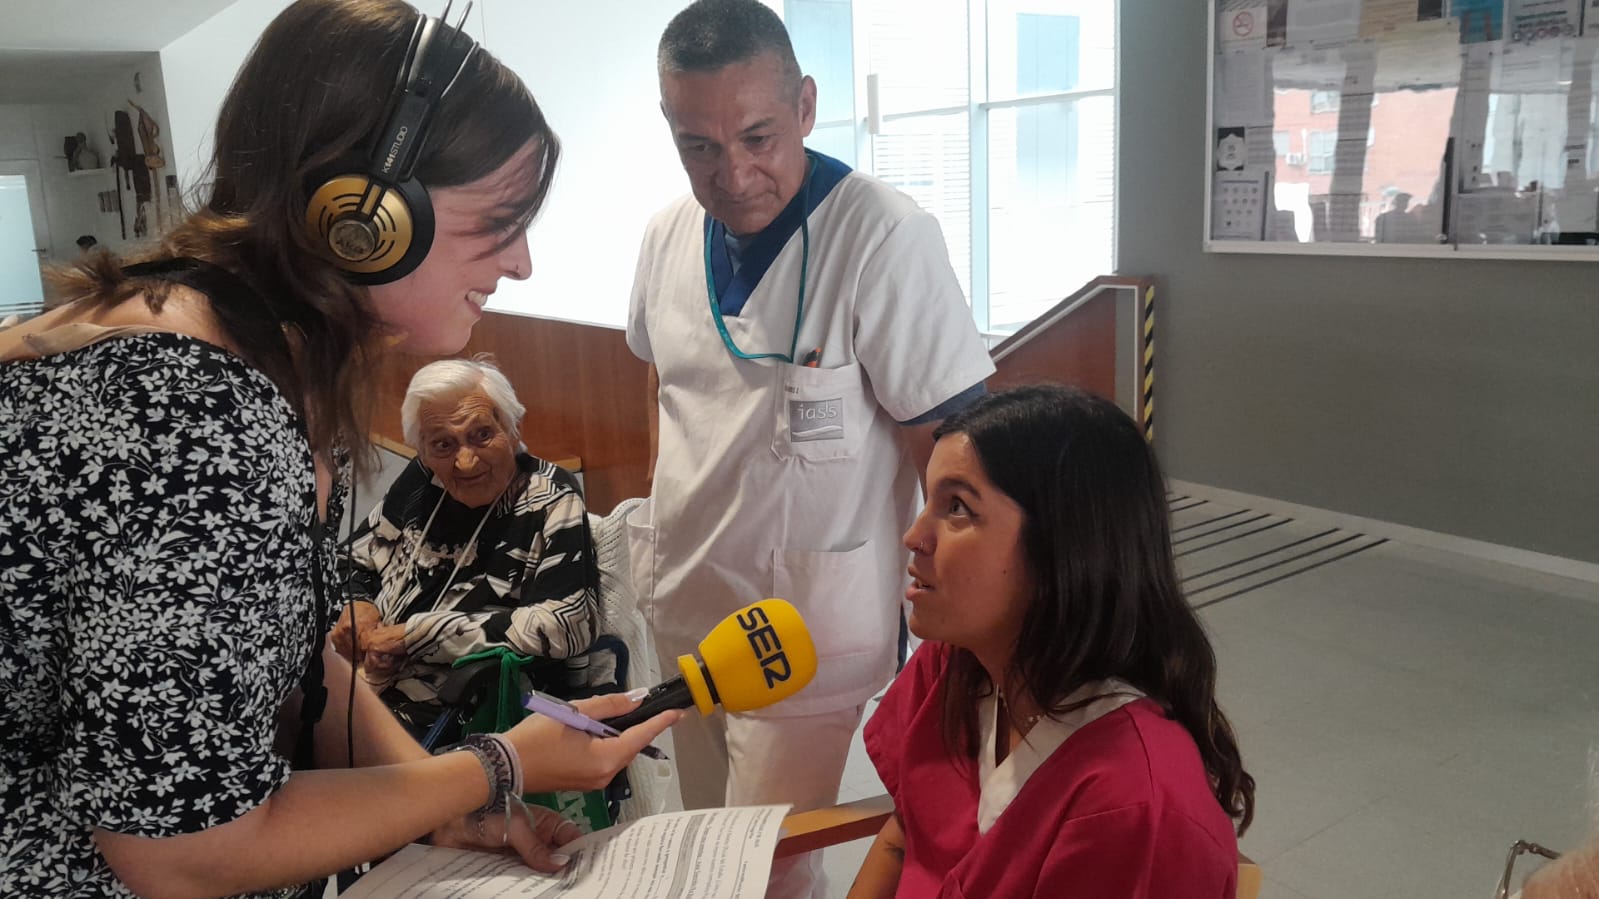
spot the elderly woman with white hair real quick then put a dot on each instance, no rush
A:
(477, 545)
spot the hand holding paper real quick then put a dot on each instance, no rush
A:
(537, 835)
(708, 854)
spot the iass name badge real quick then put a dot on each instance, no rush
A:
(810, 420)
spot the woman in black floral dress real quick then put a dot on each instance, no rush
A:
(174, 439)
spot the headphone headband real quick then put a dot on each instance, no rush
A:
(435, 57)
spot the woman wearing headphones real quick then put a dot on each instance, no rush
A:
(180, 436)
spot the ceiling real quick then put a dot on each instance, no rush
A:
(100, 25)
(50, 51)
(59, 76)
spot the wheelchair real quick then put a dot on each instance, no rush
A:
(484, 694)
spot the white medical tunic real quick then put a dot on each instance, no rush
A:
(776, 479)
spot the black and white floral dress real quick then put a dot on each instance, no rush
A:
(156, 603)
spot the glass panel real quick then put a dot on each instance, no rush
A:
(1425, 131)
(918, 49)
(1044, 46)
(20, 286)
(1321, 146)
(1337, 178)
(928, 157)
(1052, 202)
(820, 31)
(837, 141)
(1532, 181)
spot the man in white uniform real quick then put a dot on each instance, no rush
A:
(794, 418)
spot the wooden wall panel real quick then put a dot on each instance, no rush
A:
(1079, 350)
(585, 391)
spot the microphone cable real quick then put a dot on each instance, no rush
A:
(355, 636)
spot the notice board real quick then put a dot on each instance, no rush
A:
(1404, 127)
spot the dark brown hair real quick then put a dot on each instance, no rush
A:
(709, 35)
(1108, 604)
(311, 93)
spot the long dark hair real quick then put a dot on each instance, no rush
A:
(1097, 539)
(312, 93)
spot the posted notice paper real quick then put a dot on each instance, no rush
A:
(723, 853)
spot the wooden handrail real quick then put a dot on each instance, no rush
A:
(1250, 878)
(823, 827)
(808, 831)
(1065, 307)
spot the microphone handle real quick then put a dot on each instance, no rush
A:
(672, 694)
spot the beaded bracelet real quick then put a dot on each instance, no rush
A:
(500, 764)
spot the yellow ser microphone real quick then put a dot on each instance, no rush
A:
(759, 655)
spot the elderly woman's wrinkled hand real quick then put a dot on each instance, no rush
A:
(383, 652)
(352, 643)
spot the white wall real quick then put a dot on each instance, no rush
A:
(35, 131)
(70, 200)
(142, 84)
(1454, 395)
(198, 68)
(591, 65)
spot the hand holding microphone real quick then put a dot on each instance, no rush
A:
(558, 756)
(757, 656)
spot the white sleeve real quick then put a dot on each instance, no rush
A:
(638, 332)
(914, 332)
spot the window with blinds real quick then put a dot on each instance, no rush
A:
(997, 116)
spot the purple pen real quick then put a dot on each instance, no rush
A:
(567, 714)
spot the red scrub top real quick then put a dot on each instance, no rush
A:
(1121, 810)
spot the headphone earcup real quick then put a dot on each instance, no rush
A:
(376, 245)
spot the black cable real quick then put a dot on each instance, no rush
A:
(355, 637)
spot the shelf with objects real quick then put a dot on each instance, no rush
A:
(1458, 128)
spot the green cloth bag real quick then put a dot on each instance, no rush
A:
(503, 711)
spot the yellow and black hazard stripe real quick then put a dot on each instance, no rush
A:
(1147, 368)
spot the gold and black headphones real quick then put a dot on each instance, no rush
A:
(375, 220)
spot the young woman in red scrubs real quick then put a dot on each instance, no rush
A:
(1057, 733)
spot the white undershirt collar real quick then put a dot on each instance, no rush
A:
(999, 785)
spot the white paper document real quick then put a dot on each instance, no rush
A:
(1494, 216)
(1540, 20)
(1243, 91)
(723, 853)
(1532, 68)
(1323, 22)
(1260, 148)
(1380, 17)
(1238, 205)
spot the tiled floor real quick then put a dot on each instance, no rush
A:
(1408, 713)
